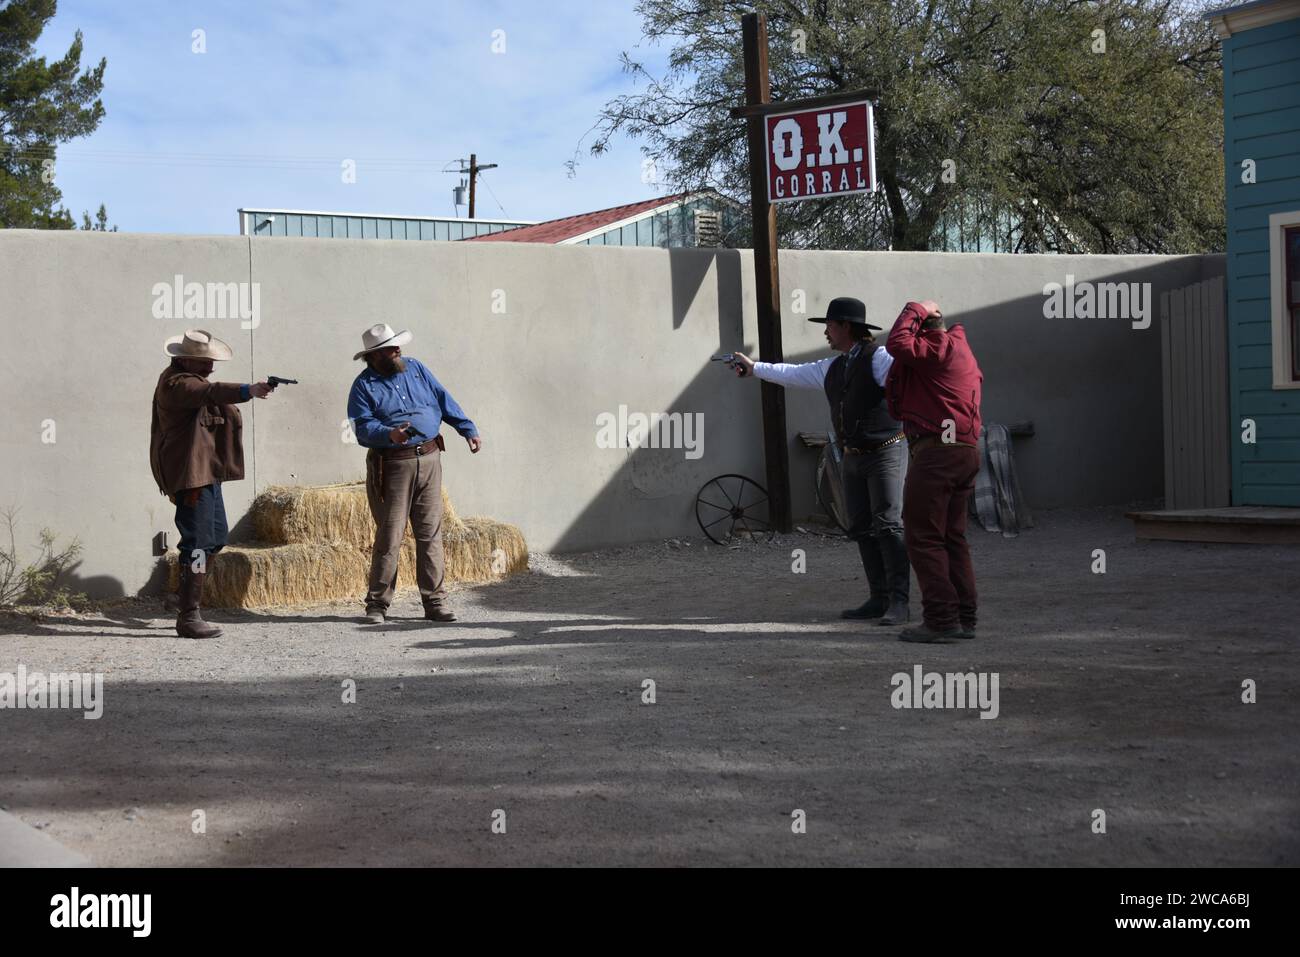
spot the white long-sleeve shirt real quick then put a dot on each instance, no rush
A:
(812, 375)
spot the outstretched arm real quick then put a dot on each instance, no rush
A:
(191, 391)
(794, 375)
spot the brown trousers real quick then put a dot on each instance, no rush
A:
(411, 490)
(936, 495)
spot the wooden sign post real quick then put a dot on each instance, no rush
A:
(767, 280)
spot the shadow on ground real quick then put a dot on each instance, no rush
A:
(1119, 692)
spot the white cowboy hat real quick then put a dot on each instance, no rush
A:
(197, 344)
(381, 337)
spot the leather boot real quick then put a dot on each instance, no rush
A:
(874, 566)
(898, 570)
(189, 623)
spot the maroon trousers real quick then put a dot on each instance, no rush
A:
(936, 495)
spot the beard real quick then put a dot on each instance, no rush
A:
(198, 367)
(387, 366)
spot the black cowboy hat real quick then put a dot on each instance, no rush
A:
(846, 309)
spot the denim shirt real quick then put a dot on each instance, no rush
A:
(378, 403)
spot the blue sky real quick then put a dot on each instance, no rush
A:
(303, 86)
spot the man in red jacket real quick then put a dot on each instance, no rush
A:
(934, 390)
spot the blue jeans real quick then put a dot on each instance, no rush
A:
(201, 520)
(873, 492)
(873, 496)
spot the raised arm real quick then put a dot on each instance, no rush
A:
(911, 345)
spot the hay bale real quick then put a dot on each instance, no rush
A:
(315, 545)
(259, 575)
(339, 514)
(254, 576)
(483, 550)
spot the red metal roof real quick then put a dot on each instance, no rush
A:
(558, 230)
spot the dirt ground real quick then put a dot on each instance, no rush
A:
(1118, 691)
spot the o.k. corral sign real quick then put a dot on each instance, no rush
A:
(816, 153)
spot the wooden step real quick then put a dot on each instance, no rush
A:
(1241, 524)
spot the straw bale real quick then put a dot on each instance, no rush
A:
(256, 576)
(295, 514)
(262, 575)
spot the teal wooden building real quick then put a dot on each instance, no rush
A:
(1261, 122)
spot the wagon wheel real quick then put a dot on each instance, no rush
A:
(733, 508)
(830, 489)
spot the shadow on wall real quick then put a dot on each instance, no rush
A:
(96, 586)
(653, 493)
(1091, 386)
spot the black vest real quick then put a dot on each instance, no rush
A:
(858, 406)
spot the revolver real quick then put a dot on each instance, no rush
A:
(730, 360)
(274, 380)
(420, 438)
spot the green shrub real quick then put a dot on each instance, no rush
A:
(39, 582)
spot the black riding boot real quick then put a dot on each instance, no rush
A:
(898, 571)
(873, 564)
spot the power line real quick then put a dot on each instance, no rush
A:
(494, 197)
(217, 160)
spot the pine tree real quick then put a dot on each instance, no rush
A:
(41, 105)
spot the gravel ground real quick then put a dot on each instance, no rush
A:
(1118, 691)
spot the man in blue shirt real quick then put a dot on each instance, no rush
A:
(397, 407)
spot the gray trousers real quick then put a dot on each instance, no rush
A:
(873, 496)
(400, 490)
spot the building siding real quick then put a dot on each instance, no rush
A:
(669, 228)
(1261, 100)
(313, 225)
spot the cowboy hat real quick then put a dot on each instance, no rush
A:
(382, 336)
(197, 344)
(846, 309)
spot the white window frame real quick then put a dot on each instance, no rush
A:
(1278, 224)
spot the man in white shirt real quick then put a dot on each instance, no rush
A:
(875, 450)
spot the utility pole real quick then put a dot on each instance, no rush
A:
(474, 169)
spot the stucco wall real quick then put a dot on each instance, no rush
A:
(535, 342)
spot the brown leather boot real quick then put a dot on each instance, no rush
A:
(189, 623)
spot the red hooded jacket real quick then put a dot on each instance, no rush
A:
(934, 377)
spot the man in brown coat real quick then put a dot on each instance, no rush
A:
(195, 444)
